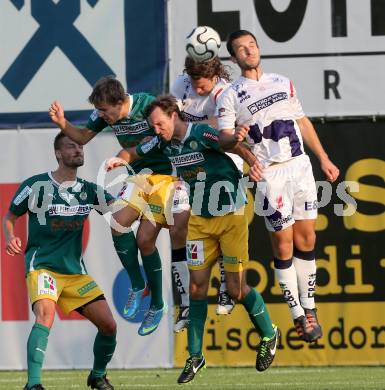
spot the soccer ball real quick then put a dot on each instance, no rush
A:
(203, 44)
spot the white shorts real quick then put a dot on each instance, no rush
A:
(287, 193)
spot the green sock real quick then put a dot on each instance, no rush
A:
(36, 346)
(197, 318)
(127, 250)
(153, 268)
(259, 316)
(104, 347)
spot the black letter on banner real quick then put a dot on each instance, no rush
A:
(339, 24)
(377, 8)
(223, 22)
(280, 26)
(331, 81)
(56, 29)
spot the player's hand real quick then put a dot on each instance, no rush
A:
(255, 171)
(14, 246)
(114, 162)
(330, 170)
(241, 132)
(56, 113)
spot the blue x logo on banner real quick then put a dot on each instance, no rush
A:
(56, 29)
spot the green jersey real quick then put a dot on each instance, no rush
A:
(131, 130)
(214, 180)
(56, 218)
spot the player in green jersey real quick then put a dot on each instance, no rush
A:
(217, 200)
(124, 114)
(58, 204)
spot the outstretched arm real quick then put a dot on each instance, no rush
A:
(13, 243)
(79, 135)
(311, 140)
(124, 157)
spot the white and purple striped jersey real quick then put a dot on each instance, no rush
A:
(196, 108)
(270, 107)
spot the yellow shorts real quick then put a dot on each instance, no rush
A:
(207, 238)
(68, 291)
(150, 195)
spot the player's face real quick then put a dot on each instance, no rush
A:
(246, 52)
(162, 124)
(203, 86)
(70, 153)
(109, 112)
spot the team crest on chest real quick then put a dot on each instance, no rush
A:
(194, 145)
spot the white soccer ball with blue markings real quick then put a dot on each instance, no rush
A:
(203, 44)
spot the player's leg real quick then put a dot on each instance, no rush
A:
(235, 258)
(276, 194)
(148, 232)
(202, 251)
(225, 302)
(305, 215)
(179, 267)
(99, 313)
(199, 284)
(81, 293)
(126, 247)
(43, 291)
(305, 266)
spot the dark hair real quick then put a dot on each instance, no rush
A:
(58, 138)
(167, 103)
(235, 35)
(208, 69)
(107, 90)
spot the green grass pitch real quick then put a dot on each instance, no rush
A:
(293, 378)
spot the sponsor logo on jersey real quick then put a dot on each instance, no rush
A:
(63, 210)
(187, 159)
(211, 136)
(146, 147)
(243, 95)
(266, 102)
(94, 115)
(193, 118)
(23, 195)
(135, 128)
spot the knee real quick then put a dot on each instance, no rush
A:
(108, 328)
(178, 234)
(146, 244)
(235, 292)
(197, 291)
(284, 249)
(305, 242)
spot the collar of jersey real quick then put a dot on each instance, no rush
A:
(188, 132)
(72, 184)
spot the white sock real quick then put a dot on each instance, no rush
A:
(223, 287)
(287, 278)
(306, 276)
(181, 277)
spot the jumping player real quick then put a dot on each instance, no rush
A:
(267, 104)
